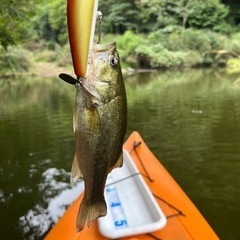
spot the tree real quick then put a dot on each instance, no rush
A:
(51, 22)
(196, 13)
(159, 12)
(209, 14)
(15, 23)
(183, 9)
(119, 16)
(234, 11)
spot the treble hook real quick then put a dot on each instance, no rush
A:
(99, 21)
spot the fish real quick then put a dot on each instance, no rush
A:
(100, 123)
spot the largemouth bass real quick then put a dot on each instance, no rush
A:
(100, 121)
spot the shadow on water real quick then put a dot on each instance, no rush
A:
(191, 121)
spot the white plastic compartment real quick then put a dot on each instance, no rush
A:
(132, 209)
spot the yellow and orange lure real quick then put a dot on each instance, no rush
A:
(81, 17)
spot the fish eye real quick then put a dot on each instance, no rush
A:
(114, 61)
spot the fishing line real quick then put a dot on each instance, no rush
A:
(135, 145)
(151, 235)
(122, 179)
(99, 21)
(170, 205)
(179, 212)
(125, 178)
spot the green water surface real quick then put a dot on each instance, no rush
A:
(190, 120)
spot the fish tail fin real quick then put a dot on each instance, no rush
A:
(90, 211)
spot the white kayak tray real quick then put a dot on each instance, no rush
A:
(132, 209)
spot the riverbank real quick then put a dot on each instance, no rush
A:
(188, 48)
(36, 60)
(178, 49)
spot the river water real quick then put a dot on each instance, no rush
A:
(190, 120)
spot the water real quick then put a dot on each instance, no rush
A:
(190, 120)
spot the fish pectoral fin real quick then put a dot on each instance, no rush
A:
(119, 162)
(89, 211)
(76, 172)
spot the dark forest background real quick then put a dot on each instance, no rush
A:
(150, 34)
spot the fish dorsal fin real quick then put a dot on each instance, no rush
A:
(76, 172)
(119, 162)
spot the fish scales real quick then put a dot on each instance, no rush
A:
(100, 125)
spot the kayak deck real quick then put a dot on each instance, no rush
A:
(184, 221)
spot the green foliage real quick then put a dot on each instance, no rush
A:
(158, 12)
(160, 59)
(127, 45)
(233, 65)
(234, 13)
(142, 51)
(20, 18)
(154, 57)
(51, 22)
(196, 13)
(14, 61)
(119, 16)
(193, 39)
(190, 47)
(15, 24)
(234, 44)
(209, 14)
(155, 34)
(6, 37)
(56, 54)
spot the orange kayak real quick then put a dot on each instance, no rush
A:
(181, 220)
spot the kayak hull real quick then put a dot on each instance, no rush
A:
(184, 221)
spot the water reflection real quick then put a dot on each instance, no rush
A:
(57, 195)
(191, 121)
